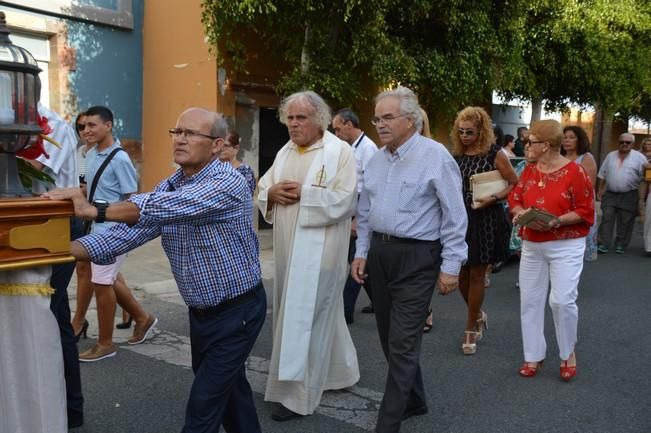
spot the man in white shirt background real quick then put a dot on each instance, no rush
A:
(619, 178)
(345, 124)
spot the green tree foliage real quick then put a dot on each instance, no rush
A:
(594, 52)
(451, 52)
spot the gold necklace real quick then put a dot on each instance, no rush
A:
(541, 184)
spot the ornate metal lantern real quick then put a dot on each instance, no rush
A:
(20, 90)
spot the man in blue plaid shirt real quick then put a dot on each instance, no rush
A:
(203, 213)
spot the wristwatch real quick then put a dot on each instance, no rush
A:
(101, 206)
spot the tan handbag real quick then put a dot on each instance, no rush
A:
(485, 184)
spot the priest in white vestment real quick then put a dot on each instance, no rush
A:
(309, 195)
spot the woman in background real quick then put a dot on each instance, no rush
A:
(425, 132)
(84, 290)
(576, 147)
(488, 230)
(229, 154)
(645, 193)
(509, 144)
(645, 148)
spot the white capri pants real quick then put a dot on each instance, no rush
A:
(559, 262)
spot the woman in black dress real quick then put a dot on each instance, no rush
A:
(488, 230)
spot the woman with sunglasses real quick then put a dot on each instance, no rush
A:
(229, 154)
(552, 251)
(488, 229)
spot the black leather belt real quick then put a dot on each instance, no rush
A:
(390, 238)
(227, 304)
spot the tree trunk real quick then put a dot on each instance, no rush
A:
(603, 124)
(536, 109)
(305, 55)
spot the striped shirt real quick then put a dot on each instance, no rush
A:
(206, 225)
(414, 193)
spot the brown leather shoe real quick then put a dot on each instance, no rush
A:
(141, 333)
(97, 353)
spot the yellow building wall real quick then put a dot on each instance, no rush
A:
(178, 73)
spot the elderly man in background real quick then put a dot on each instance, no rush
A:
(204, 215)
(346, 126)
(619, 179)
(411, 228)
(309, 195)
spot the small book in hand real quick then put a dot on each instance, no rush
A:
(534, 214)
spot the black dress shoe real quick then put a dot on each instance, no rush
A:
(498, 266)
(75, 420)
(414, 412)
(368, 309)
(125, 325)
(280, 413)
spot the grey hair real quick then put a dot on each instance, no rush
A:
(630, 135)
(321, 110)
(409, 106)
(348, 115)
(219, 126)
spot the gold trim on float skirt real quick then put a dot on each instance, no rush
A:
(18, 289)
(29, 263)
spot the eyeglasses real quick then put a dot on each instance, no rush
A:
(536, 142)
(625, 142)
(189, 134)
(463, 132)
(385, 119)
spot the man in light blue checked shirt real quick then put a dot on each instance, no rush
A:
(411, 228)
(204, 215)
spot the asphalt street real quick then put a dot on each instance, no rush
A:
(144, 388)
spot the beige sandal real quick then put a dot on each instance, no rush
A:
(470, 348)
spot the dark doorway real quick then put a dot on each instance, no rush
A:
(273, 136)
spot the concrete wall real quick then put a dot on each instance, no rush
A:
(178, 73)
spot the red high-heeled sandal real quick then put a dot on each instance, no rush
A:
(528, 371)
(568, 371)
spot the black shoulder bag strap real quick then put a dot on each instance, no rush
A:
(93, 185)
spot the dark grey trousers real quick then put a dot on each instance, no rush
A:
(403, 276)
(619, 210)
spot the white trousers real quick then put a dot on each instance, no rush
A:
(559, 262)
